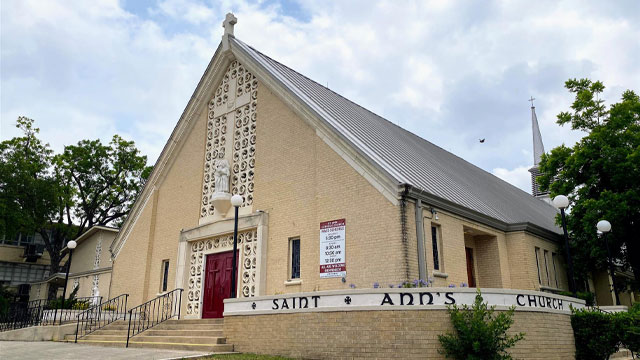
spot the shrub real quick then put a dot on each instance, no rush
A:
(596, 334)
(628, 325)
(109, 307)
(68, 304)
(80, 305)
(479, 334)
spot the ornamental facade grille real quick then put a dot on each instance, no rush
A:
(231, 135)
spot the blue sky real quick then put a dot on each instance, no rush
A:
(452, 72)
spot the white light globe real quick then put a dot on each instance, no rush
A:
(561, 202)
(604, 226)
(72, 244)
(236, 200)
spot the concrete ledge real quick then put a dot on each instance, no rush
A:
(397, 299)
(39, 333)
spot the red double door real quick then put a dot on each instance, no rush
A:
(217, 284)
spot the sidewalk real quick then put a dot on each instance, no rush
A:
(10, 350)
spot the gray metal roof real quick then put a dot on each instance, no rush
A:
(410, 159)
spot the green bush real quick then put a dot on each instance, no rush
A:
(478, 333)
(80, 305)
(628, 325)
(68, 304)
(595, 334)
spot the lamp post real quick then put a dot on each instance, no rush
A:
(236, 201)
(604, 227)
(70, 245)
(561, 202)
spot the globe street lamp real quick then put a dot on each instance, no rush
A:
(561, 202)
(70, 245)
(236, 201)
(604, 227)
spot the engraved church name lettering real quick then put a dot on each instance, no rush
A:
(301, 302)
(424, 298)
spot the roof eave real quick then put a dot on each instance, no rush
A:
(457, 209)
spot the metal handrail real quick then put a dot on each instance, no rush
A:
(42, 312)
(101, 315)
(597, 308)
(22, 314)
(154, 312)
(68, 312)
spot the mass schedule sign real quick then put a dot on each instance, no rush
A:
(332, 257)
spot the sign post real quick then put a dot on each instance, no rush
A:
(333, 262)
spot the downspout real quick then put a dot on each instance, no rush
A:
(422, 264)
(404, 232)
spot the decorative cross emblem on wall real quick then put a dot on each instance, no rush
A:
(347, 300)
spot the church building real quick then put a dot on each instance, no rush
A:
(333, 197)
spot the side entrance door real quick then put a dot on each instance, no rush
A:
(470, 273)
(217, 284)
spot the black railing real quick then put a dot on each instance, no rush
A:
(44, 312)
(101, 315)
(54, 311)
(22, 314)
(597, 308)
(154, 312)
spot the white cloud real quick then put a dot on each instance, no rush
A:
(451, 72)
(519, 177)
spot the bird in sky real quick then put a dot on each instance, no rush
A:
(481, 141)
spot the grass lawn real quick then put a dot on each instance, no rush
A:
(247, 357)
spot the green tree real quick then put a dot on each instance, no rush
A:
(61, 196)
(601, 176)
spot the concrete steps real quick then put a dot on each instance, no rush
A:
(195, 335)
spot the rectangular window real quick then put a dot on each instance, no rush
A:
(546, 267)
(295, 258)
(555, 271)
(434, 245)
(538, 266)
(165, 275)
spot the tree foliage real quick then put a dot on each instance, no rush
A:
(61, 196)
(601, 176)
(478, 333)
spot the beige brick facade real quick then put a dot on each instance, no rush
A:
(300, 181)
(384, 334)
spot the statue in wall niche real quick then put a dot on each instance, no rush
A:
(221, 176)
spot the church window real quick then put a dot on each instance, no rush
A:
(538, 265)
(554, 256)
(165, 275)
(294, 246)
(435, 230)
(546, 267)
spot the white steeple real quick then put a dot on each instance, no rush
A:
(538, 147)
(538, 150)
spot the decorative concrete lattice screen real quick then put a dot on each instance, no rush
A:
(232, 117)
(96, 260)
(247, 248)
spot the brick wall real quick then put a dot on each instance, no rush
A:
(384, 334)
(300, 181)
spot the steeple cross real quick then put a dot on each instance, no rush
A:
(531, 100)
(228, 23)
